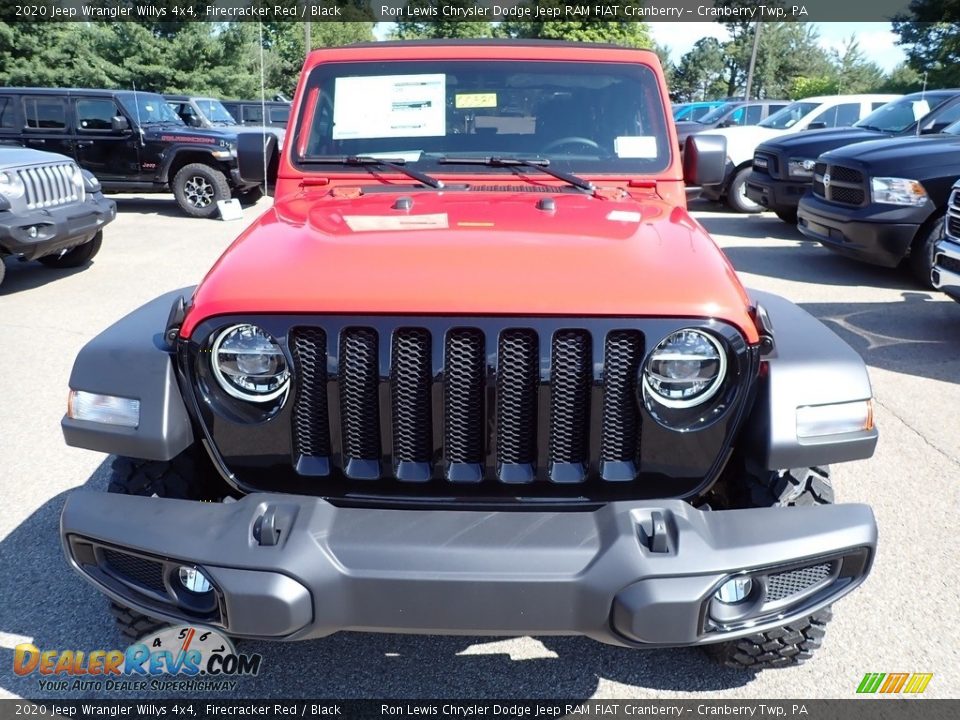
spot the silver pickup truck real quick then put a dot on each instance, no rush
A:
(50, 209)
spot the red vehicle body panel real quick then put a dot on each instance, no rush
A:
(325, 247)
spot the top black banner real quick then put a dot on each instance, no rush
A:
(448, 10)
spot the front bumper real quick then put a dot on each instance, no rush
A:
(628, 573)
(946, 268)
(56, 228)
(879, 235)
(775, 194)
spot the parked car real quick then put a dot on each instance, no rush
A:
(250, 112)
(731, 114)
(696, 110)
(475, 382)
(131, 141)
(204, 112)
(783, 167)
(946, 254)
(50, 209)
(884, 201)
(809, 114)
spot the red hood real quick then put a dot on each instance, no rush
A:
(473, 253)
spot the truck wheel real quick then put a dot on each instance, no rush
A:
(791, 644)
(922, 251)
(198, 187)
(250, 196)
(75, 256)
(737, 193)
(3, 269)
(180, 478)
(788, 216)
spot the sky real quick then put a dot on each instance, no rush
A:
(876, 40)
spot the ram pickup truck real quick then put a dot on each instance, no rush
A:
(476, 371)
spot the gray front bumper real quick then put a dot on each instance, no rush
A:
(470, 572)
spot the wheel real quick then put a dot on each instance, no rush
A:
(795, 643)
(922, 251)
(3, 269)
(185, 477)
(75, 256)
(737, 193)
(249, 196)
(198, 187)
(788, 216)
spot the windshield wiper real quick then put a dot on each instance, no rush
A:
(539, 164)
(364, 160)
(872, 127)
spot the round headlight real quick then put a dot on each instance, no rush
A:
(11, 186)
(249, 364)
(686, 369)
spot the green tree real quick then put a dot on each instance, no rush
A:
(701, 73)
(855, 74)
(55, 54)
(930, 34)
(902, 79)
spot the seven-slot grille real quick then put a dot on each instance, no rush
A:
(839, 184)
(953, 216)
(463, 405)
(50, 185)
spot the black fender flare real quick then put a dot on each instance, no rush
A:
(163, 175)
(131, 359)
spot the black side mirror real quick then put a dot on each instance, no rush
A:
(818, 125)
(194, 121)
(256, 152)
(704, 160)
(119, 124)
(934, 128)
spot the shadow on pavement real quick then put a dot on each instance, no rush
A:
(163, 205)
(22, 276)
(44, 602)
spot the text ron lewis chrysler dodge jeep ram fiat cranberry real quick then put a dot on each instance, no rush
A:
(476, 371)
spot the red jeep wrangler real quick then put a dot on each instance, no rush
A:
(476, 371)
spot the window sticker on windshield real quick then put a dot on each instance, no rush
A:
(475, 100)
(387, 106)
(635, 146)
(920, 108)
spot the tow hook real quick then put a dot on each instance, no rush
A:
(272, 524)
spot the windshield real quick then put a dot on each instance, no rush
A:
(582, 117)
(149, 109)
(214, 111)
(900, 114)
(715, 114)
(789, 116)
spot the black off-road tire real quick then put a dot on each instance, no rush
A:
(3, 269)
(791, 644)
(250, 196)
(181, 478)
(75, 256)
(788, 216)
(198, 187)
(735, 193)
(923, 249)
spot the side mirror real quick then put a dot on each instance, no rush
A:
(119, 124)
(256, 152)
(194, 121)
(704, 160)
(934, 128)
(818, 125)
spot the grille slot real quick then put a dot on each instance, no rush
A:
(571, 373)
(410, 394)
(464, 368)
(948, 263)
(311, 434)
(785, 584)
(953, 216)
(359, 403)
(133, 568)
(846, 186)
(620, 424)
(518, 370)
(49, 185)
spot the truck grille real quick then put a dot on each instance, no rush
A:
(50, 185)
(529, 410)
(839, 184)
(953, 215)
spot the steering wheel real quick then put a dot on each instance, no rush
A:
(570, 140)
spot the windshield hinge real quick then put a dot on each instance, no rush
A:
(314, 181)
(643, 184)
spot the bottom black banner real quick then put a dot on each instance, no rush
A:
(894, 709)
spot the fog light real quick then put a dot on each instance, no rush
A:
(32, 231)
(734, 590)
(193, 580)
(108, 409)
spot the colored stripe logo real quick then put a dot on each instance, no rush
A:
(892, 683)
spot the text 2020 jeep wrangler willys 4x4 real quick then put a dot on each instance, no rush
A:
(476, 371)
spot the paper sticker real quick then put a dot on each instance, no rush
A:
(475, 100)
(371, 223)
(920, 108)
(624, 216)
(635, 146)
(386, 106)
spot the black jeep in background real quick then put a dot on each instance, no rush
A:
(783, 167)
(131, 141)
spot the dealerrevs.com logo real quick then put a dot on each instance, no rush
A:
(894, 683)
(184, 658)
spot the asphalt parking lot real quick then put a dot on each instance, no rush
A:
(904, 619)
